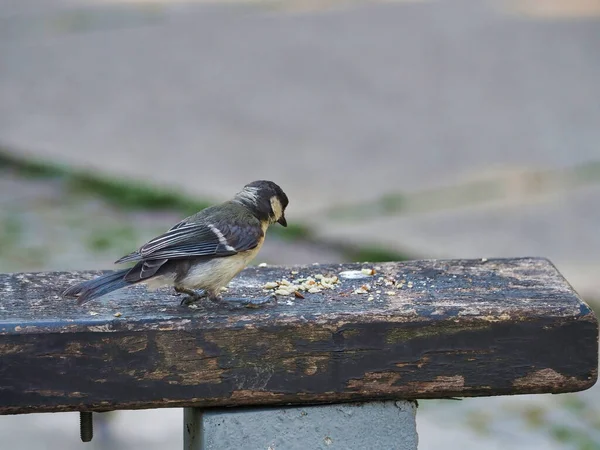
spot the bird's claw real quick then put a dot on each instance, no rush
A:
(189, 300)
(192, 296)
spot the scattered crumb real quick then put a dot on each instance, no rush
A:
(294, 272)
(117, 314)
(93, 313)
(193, 306)
(224, 289)
(390, 293)
(312, 285)
(352, 274)
(263, 264)
(484, 259)
(371, 298)
(370, 272)
(364, 289)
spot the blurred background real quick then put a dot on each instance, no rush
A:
(399, 129)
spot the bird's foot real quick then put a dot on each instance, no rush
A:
(192, 296)
(215, 298)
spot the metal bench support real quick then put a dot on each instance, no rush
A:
(351, 426)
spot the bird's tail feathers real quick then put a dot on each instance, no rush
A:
(89, 290)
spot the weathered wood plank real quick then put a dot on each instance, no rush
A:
(426, 329)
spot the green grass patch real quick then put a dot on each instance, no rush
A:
(11, 232)
(128, 195)
(393, 203)
(575, 437)
(589, 172)
(374, 254)
(139, 196)
(136, 196)
(31, 168)
(387, 205)
(118, 238)
(12, 228)
(292, 232)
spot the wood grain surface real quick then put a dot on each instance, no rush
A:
(421, 329)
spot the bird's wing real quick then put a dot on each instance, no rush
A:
(199, 239)
(136, 256)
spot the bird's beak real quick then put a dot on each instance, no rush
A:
(282, 221)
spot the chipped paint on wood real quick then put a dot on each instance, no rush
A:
(448, 328)
(133, 344)
(538, 378)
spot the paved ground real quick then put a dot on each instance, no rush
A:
(339, 106)
(398, 96)
(475, 128)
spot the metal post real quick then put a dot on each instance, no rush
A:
(86, 426)
(192, 420)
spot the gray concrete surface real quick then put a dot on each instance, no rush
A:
(379, 96)
(381, 425)
(338, 106)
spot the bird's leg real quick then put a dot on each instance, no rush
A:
(215, 296)
(192, 296)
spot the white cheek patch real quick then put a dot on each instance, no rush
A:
(276, 207)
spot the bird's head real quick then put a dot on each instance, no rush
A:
(266, 200)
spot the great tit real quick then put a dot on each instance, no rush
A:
(204, 251)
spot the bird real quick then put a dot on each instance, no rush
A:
(204, 251)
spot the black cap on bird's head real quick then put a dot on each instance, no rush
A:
(266, 199)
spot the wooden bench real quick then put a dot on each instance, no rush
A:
(381, 332)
